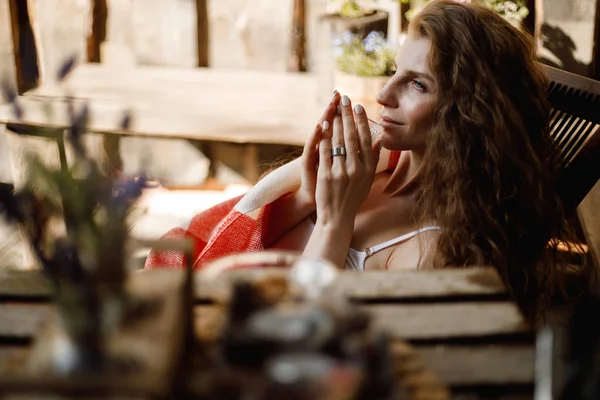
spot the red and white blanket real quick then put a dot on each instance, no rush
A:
(239, 224)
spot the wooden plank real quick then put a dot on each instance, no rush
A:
(434, 284)
(24, 45)
(22, 284)
(489, 364)
(457, 365)
(411, 322)
(97, 35)
(398, 286)
(404, 7)
(202, 104)
(21, 321)
(298, 51)
(417, 322)
(427, 322)
(470, 283)
(202, 32)
(13, 359)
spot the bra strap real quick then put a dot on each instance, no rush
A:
(406, 236)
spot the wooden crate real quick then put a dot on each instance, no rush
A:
(460, 321)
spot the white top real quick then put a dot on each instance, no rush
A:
(355, 259)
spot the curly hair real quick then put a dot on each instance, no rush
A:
(490, 166)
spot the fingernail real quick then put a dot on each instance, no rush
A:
(345, 100)
(334, 93)
(358, 109)
(339, 110)
(325, 125)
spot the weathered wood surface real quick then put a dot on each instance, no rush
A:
(475, 283)
(420, 323)
(457, 320)
(238, 106)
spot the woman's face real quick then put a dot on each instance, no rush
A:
(409, 98)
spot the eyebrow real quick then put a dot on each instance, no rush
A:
(421, 74)
(416, 73)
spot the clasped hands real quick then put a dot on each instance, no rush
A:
(338, 163)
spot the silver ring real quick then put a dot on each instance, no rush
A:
(338, 151)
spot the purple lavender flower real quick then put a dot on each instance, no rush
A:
(8, 91)
(10, 95)
(126, 121)
(127, 191)
(77, 128)
(66, 68)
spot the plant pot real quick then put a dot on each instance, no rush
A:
(377, 21)
(142, 356)
(361, 89)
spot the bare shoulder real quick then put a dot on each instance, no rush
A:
(416, 253)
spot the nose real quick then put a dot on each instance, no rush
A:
(386, 97)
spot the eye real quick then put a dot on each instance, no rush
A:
(418, 85)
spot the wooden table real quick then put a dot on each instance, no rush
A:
(459, 321)
(242, 107)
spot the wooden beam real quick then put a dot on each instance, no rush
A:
(298, 54)
(404, 7)
(98, 33)
(202, 33)
(26, 59)
(534, 20)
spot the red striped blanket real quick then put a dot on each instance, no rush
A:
(239, 224)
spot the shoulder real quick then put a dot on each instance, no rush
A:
(417, 253)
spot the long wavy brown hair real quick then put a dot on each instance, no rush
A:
(490, 166)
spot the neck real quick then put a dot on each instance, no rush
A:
(406, 177)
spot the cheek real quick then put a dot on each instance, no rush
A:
(419, 113)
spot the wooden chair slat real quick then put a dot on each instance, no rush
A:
(571, 80)
(579, 142)
(560, 129)
(566, 137)
(574, 121)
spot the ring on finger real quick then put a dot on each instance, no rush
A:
(338, 151)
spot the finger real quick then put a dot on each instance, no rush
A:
(376, 152)
(324, 155)
(350, 134)
(364, 135)
(331, 108)
(309, 154)
(337, 140)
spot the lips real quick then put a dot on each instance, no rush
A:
(385, 121)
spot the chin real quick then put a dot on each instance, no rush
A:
(390, 144)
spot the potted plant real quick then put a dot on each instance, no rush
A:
(350, 16)
(514, 11)
(362, 67)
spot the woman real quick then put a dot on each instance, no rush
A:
(466, 177)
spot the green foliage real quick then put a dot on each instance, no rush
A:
(514, 11)
(371, 56)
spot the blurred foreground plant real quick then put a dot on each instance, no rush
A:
(86, 263)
